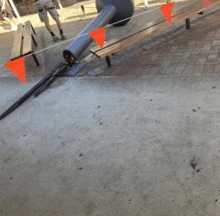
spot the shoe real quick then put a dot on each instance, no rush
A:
(55, 38)
(63, 37)
(14, 28)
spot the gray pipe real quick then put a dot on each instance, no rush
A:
(79, 45)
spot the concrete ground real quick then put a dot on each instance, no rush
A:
(139, 139)
(112, 146)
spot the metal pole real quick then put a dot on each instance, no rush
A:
(79, 45)
(188, 23)
(146, 3)
(15, 11)
(60, 5)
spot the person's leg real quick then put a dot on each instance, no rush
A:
(59, 25)
(42, 13)
(50, 7)
(48, 27)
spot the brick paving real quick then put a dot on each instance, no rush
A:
(184, 52)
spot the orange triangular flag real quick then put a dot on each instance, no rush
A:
(206, 3)
(17, 67)
(98, 36)
(166, 11)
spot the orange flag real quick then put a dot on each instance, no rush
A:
(98, 36)
(17, 67)
(206, 3)
(166, 11)
(177, 17)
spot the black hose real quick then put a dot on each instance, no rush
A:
(56, 70)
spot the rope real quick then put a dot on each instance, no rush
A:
(107, 26)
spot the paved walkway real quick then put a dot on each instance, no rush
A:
(180, 52)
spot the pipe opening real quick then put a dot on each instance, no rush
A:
(69, 57)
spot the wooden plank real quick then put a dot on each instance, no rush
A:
(106, 44)
(33, 29)
(150, 28)
(33, 33)
(158, 18)
(192, 9)
(16, 50)
(27, 43)
(150, 25)
(155, 26)
(129, 41)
